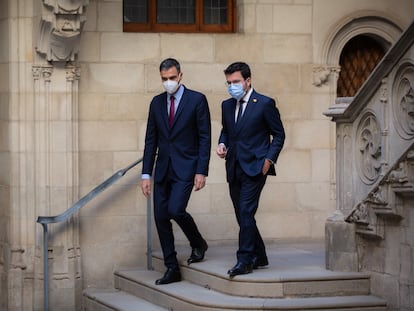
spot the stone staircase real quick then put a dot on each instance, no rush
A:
(296, 279)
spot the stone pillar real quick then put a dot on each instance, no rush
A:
(340, 243)
(55, 180)
(55, 148)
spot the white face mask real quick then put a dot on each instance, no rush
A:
(171, 86)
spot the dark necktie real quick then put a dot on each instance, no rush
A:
(172, 108)
(240, 112)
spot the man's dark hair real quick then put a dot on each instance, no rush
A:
(169, 63)
(239, 66)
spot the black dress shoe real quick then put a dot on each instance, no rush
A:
(197, 254)
(260, 262)
(240, 268)
(170, 276)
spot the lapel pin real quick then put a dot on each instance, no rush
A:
(254, 100)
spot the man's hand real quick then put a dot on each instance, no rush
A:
(199, 182)
(266, 166)
(221, 150)
(146, 187)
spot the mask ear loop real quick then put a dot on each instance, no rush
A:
(180, 77)
(248, 86)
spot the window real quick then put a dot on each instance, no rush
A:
(358, 59)
(179, 15)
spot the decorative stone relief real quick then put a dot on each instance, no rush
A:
(368, 145)
(359, 214)
(60, 29)
(321, 74)
(367, 223)
(384, 201)
(403, 102)
(401, 179)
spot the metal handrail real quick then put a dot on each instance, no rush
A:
(45, 220)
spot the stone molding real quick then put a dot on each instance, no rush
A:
(363, 22)
(60, 29)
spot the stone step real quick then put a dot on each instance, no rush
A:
(187, 296)
(296, 279)
(272, 282)
(106, 300)
(294, 271)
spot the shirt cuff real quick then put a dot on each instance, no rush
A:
(145, 176)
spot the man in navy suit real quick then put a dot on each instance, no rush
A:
(179, 129)
(251, 139)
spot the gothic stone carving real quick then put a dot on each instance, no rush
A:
(321, 74)
(384, 201)
(402, 178)
(403, 101)
(368, 140)
(367, 223)
(60, 29)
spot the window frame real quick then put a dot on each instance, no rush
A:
(197, 27)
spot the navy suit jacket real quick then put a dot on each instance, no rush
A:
(186, 146)
(259, 135)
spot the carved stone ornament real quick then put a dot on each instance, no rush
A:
(401, 179)
(378, 197)
(60, 29)
(359, 214)
(403, 102)
(368, 148)
(366, 221)
(321, 75)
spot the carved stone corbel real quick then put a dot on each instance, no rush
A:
(402, 178)
(320, 76)
(60, 29)
(366, 221)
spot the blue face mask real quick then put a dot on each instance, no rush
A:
(236, 90)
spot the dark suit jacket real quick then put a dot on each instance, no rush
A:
(187, 144)
(259, 135)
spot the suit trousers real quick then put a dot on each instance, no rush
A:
(245, 194)
(170, 202)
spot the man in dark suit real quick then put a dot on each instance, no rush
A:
(251, 139)
(179, 129)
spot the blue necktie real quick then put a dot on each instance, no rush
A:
(240, 112)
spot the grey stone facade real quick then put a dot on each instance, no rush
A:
(375, 164)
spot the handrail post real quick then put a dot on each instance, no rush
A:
(45, 268)
(149, 234)
(45, 220)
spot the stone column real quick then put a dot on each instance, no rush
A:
(340, 244)
(55, 148)
(55, 179)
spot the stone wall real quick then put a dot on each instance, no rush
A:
(4, 156)
(285, 42)
(67, 126)
(114, 107)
